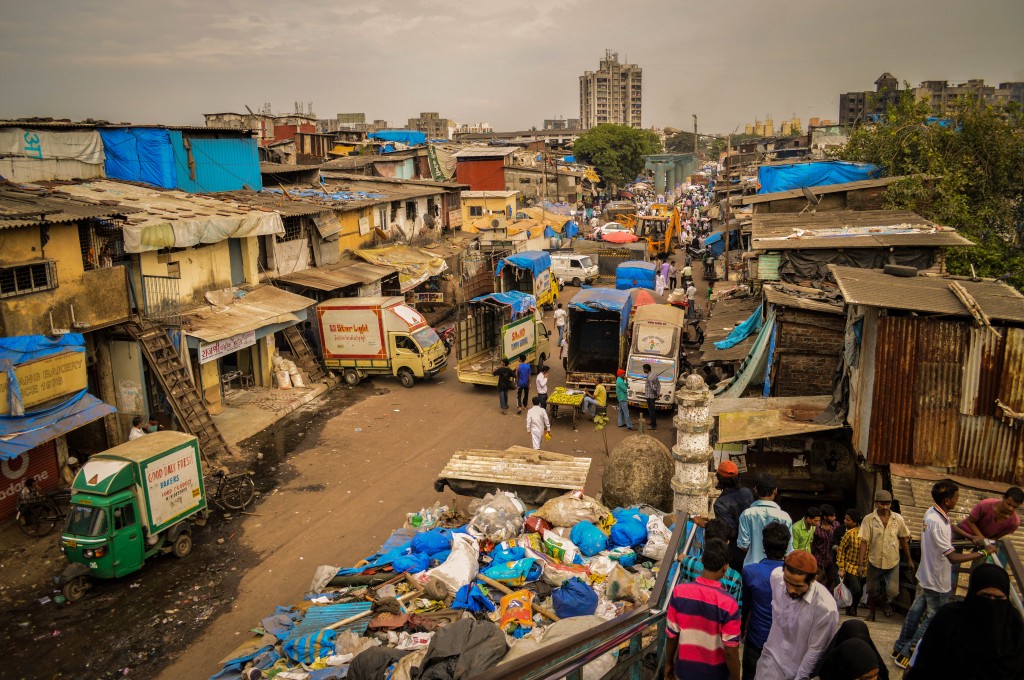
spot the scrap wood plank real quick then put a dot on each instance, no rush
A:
(518, 465)
(972, 306)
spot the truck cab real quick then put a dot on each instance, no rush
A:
(655, 340)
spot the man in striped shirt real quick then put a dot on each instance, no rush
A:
(703, 624)
(691, 567)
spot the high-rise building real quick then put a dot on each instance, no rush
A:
(433, 124)
(612, 94)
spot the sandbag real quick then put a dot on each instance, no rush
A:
(588, 538)
(658, 536)
(574, 598)
(571, 509)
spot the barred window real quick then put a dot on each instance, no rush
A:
(28, 278)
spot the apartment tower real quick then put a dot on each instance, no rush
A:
(612, 94)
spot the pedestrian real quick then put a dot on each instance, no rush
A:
(652, 389)
(522, 384)
(542, 386)
(883, 533)
(821, 545)
(560, 315)
(666, 274)
(691, 566)
(671, 275)
(804, 619)
(934, 581)
(688, 274)
(596, 399)
(992, 519)
(850, 571)
(563, 353)
(979, 637)
(803, 531)
(136, 430)
(68, 471)
(505, 375)
(852, 655)
(761, 513)
(757, 594)
(691, 300)
(733, 500)
(703, 624)
(622, 399)
(537, 423)
(659, 278)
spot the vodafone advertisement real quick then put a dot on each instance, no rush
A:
(39, 463)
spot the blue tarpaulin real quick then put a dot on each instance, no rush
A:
(407, 137)
(717, 241)
(570, 229)
(520, 302)
(743, 331)
(604, 300)
(568, 159)
(773, 178)
(536, 261)
(139, 155)
(635, 274)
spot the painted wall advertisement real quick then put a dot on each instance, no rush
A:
(518, 337)
(208, 351)
(172, 485)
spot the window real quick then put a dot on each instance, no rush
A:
(410, 210)
(476, 210)
(524, 180)
(28, 278)
(124, 516)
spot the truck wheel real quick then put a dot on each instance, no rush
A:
(351, 377)
(576, 281)
(74, 590)
(406, 377)
(182, 545)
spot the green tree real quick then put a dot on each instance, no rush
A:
(978, 155)
(681, 142)
(616, 151)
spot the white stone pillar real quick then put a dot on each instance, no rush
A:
(691, 483)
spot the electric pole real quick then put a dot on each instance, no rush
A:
(695, 133)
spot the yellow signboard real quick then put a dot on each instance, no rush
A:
(46, 379)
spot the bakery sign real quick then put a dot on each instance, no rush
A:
(45, 380)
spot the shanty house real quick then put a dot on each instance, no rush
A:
(483, 167)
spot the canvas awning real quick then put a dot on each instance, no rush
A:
(742, 419)
(20, 435)
(341, 275)
(264, 306)
(414, 265)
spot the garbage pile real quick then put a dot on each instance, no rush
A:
(450, 596)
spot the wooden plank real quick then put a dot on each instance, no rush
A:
(518, 465)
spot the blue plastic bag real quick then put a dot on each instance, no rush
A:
(588, 538)
(630, 528)
(433, 541)
(413, 563)
(507, 553)
(472, 598)
(515, 573)
(574, 598)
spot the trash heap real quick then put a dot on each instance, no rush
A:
(450, 596)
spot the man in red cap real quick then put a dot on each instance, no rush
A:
(622, 396)
(804, 619)
(731, 504)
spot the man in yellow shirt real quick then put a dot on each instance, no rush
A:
(597, 399)
(851, 572)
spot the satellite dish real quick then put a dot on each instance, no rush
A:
(428, 220)
(380, 233)
(809, 195)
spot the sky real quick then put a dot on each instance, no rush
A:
(510, 64)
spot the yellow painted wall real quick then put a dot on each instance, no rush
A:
(250, 259)
(349, 238)
(209, 377)
(499, 206)
(202, 269)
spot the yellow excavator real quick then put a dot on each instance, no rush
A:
(660, 229)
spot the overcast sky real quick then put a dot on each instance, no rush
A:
(510, 64)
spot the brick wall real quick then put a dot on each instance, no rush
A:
(807, 352)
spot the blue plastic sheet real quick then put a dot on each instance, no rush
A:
(407, 137)
(433, 541)
(139, 155)
(774, 178)
(743, 331)
(516, 573)
(604, 300)
(20, 349)
(570, 229)
(635, 274)
(472, 598)
(520, 302)
(537, 261)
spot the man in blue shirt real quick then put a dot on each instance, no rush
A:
(522, 384)
(760, 514)
(757, 595)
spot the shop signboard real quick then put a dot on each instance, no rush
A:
(208, 351)
(46, 379)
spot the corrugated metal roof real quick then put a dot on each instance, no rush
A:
(22, 206)
(930, 294)
(728, 314)
(828, 189)
(263, 306)
(279, 202)
(849, 229)
(485, 152)
(280, 168)
(786, 297)
(333, 277)
(318, 618)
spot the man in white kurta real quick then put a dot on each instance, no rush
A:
(537, 422)
(804, 619)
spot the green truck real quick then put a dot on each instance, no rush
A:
(130, 503)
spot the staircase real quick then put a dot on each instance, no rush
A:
(304, 356)
(185, 399)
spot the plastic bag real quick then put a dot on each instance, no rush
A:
(516, 611)
(562, 549)
(433, 541)
(600, 567)
(588, 538)
(630, 528)
(515, 573)
(499, 517)
(658, 537)
(624, 556)
(536, 525)
(844, 598)
(556, 574)
(571, 509)
(622, 585)
(507, 551)
(413, 563)
(461, 566)
(574, 598)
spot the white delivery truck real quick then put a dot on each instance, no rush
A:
(656, 336)
(573, 268)
(364, 336)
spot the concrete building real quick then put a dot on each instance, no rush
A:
(561, 123)
(433, 125)
(348, 120)
(857, 107)
(476, 204)
(612, 94)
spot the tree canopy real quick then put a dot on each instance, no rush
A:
(616, 151)
(978, 153)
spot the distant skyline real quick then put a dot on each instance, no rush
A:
(511, 65)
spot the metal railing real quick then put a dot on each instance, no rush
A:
(160, 301)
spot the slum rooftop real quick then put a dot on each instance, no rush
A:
(825, 189)
(849, 229)
(927, 294)
(26, 205)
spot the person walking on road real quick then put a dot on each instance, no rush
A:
(803, 531)
(691, 300)
(651, 391)
(622, 397)
(505, 376)
(542, 386)
(560, 315)
(851, 573)
(883, 533)
(522, 384)
(537, 423)
(563, 353)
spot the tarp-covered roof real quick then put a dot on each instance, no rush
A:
(519, 301)
(604, 300)
(414, 265)
(774, 178)
(264, 306)
(536, 261)
(407, 137)
(849, 229)
(635, 274)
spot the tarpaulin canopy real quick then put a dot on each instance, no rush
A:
(140, 155)
(619, 237)
(635, 274)
(414, 265)
(604, 300)
(28, 155)
(774, 178)
(743, 331)
(752, 368)
(717, 241)
(536, 261)
(19, 349)
(407, 137)
(519, 301)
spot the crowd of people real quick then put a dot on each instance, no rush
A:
(773, 587)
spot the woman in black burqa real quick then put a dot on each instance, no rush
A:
(980, 637)
(851, 655)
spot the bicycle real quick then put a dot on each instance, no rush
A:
(231, 492)
(38, 516)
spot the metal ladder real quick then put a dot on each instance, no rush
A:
(304, 356)
(184, 397)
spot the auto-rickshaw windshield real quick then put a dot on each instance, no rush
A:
(426, 337)
(86, 521)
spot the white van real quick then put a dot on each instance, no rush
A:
(573, 268)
